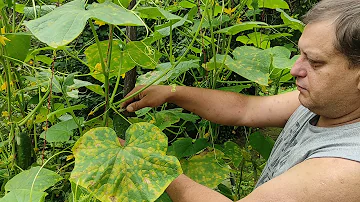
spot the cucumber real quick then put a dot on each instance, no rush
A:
(23, 150)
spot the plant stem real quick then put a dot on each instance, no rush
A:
(104, 69)
(7, 69)
(106, 75)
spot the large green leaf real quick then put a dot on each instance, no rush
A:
(123, 64)
(137, 171)
(262, 144)
(161, 68)
(240, 27)
(206, 168)
(65, 23)
(291, 22)
(251, 63)
(18, 46)
(40, 180)
(23, 195)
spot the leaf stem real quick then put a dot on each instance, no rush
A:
(105, 70)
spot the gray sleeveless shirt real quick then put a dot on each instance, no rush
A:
(301, 140)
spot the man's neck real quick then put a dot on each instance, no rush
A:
(350, 118)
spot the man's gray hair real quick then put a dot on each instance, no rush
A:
(346, 16)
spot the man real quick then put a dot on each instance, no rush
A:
(316, 157)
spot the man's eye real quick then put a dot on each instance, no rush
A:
(313, 62)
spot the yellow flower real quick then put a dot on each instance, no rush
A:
(99, 22)
(229, 10)
(5, 114)
(3, 39)
(3, 86)
(238, 21)
(91, 113)
(2, 30)
(123, 75)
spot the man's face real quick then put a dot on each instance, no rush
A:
(327, 85)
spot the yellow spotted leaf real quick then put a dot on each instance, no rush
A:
(206, 168)
(137, 171)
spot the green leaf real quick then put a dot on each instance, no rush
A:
(24, 180)
(124, 64)
(232, 30)
(164, 119)
(187, 4)
(251, 63)
(206, 168)
(19, 8)
(2, 4)
(142, 54)
(164, 198)
(224, 190)
(66, 110)
(291, 22)
(184, 147)
(236, 89)
(137, 171)
(157, 12)
(65, 23)
(262, 144)
(23, 195)
(18, 46)
(40, 11)
(60, 132)
(125, 3)
(219, 62)
(68, 81)
(273, 4)
(96, 89)
(233, 151)
(161, 68)
(120, 126)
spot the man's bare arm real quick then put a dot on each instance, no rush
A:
(221, 107)
(318, 179)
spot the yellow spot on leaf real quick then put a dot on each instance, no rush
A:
(98, 67)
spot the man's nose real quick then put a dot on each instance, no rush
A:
(299, 70)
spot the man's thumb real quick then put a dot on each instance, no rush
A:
(130, 108)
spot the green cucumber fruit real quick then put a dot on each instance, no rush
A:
(23, 150)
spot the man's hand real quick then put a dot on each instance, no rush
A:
(151, 97)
